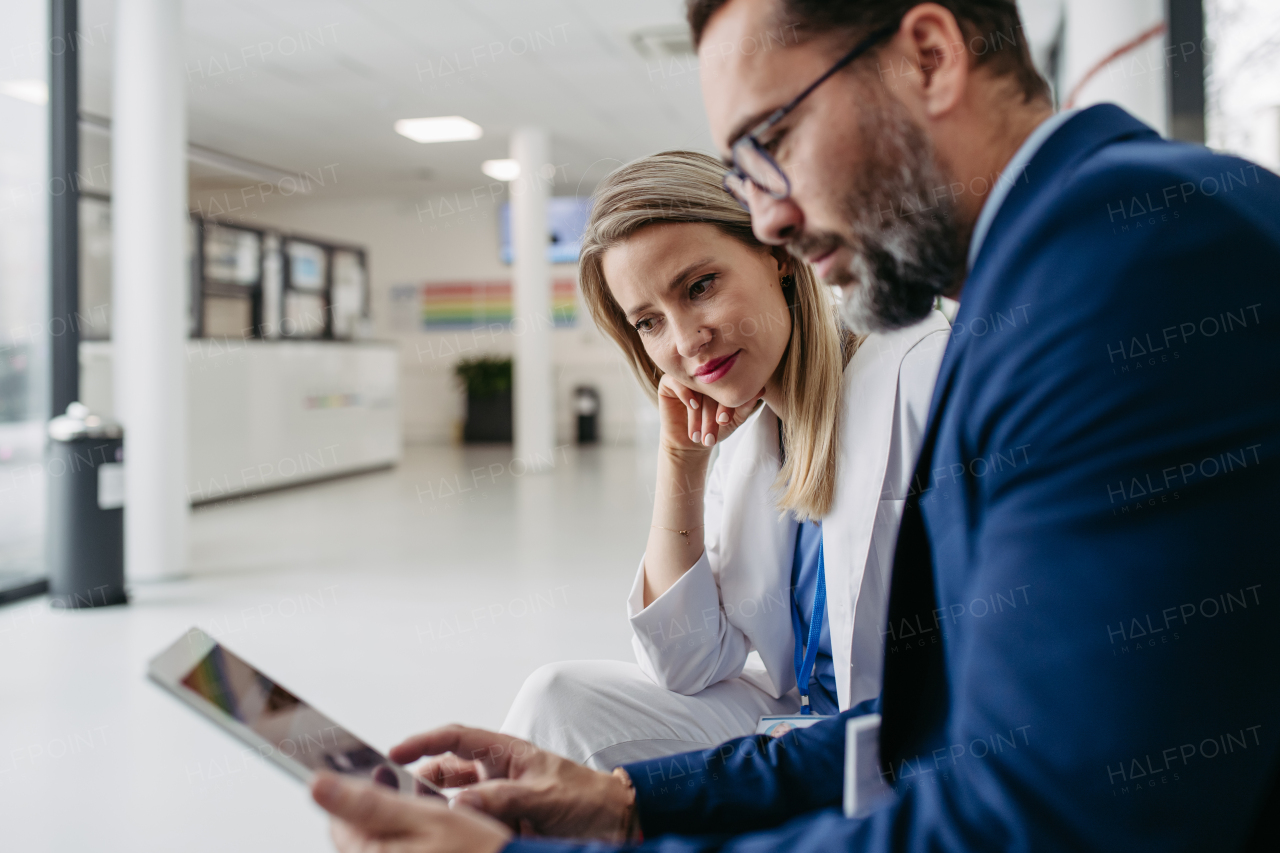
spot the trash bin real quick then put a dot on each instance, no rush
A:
(85, 523)
(586, 400)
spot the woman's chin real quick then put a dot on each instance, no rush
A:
(732, 399)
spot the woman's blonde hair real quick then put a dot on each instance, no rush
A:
(684, 186)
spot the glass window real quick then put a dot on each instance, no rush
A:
(232, 279)
(348, 295)
(232, 255)
(306, 305)
(25, 325)
(95, 268)
(1243, 78)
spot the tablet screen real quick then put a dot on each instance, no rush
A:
(290, 725)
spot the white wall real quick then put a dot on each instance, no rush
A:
(266, 414)
(448, 236)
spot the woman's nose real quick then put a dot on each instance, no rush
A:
(775, 221)
(691, 338)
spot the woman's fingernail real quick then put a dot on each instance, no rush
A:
(693, 404)
(697, 436)
(709, 440)
(724, 417)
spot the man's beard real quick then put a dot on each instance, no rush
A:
(904, 256)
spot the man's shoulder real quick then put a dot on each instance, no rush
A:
(1103, 176)
(1143, 273)
(1134, 180)
(1133, 214)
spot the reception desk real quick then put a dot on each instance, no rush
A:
(263, 415)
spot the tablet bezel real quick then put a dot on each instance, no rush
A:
(168, 668)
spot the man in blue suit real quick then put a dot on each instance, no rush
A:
(1083, 625)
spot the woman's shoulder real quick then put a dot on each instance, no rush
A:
(901, 362)
(889, 349)
(905, 339)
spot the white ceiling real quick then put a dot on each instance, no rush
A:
(355, 66)
(301, 85)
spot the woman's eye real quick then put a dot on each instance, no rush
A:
(700, 286)
(645, 325)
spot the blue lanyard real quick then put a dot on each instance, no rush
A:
(807, 655)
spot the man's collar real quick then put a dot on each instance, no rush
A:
(1009, 177)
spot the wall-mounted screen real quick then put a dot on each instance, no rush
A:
(566, 220)
(306, 266)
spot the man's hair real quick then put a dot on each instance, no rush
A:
(992, 29)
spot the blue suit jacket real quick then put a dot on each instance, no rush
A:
(1085, 626)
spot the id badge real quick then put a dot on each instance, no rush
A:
(864, 786)
(779, 725)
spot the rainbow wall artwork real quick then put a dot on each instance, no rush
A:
(470, 304)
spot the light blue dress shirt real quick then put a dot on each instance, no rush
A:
(1012, 174)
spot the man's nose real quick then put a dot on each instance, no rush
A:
(775, 221)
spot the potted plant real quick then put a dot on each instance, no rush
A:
(487, 380)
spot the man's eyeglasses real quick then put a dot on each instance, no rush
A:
(752, 164)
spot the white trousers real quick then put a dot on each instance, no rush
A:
(606, 713)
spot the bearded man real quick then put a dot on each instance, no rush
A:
(1082, 610)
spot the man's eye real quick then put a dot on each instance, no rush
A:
(772, 144)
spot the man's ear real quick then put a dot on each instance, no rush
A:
(933, 38)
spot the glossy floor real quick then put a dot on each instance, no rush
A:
(394, 601)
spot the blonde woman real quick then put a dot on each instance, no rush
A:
(815, 434)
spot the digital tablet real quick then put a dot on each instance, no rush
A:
(255, 708)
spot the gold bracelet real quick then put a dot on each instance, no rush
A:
(684, 533)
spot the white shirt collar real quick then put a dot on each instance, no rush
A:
(1011, 175)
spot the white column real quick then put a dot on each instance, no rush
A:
(1136, 80)
(148, 213)
(532, 324)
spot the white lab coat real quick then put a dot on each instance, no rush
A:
(737, 598)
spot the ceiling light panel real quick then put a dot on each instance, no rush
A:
(501, 170)
(439, 129)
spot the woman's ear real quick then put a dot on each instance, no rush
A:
(785, 262)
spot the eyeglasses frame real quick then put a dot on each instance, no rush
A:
(752, 137)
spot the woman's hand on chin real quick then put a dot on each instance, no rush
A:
(692, 422)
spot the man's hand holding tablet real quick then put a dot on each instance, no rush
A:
(369, 817)
(532, 791)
